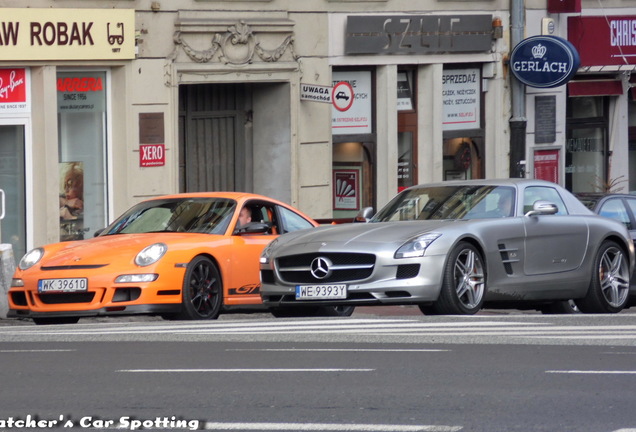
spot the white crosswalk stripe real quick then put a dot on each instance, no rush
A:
(382, 327)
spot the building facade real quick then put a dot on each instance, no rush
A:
(328, 105)
(583, 134)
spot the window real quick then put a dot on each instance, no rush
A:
(537, 193)
(291, 221)
(82, 126)
(614, 209)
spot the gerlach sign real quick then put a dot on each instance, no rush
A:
(416, 34)
(544, 61)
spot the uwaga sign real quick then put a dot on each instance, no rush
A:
(63, 34)
(544, 61)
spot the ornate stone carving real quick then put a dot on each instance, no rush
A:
(237, 47)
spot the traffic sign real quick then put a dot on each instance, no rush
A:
(342, 96)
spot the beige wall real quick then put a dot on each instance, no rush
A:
(149, 84)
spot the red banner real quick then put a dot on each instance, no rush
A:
(13, 86)
(603, 41)
(564, 6)
(546, 165)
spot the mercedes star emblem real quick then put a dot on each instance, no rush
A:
(320, 267)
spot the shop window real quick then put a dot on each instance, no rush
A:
(632, 142)
(462, 159)
(12, 183)
(586, 155)
(407, 129)
(82, 117)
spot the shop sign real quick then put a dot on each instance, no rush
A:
(461, 96)
(315, 93)
(14, 90)
(67, 34)
(606, 40)
(152, 155)
(152, 148)
(544, 61)
(81, 92)
(418, 34)
(351, 100)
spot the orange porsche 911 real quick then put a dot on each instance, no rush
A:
(186, 256)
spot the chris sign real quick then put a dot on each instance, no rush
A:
(544, 61)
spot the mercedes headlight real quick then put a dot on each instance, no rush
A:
(416, 246)
(267, 252)
(31, 258)
(151, 254)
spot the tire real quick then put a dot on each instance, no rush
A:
(57, 320)
(341, 311)
(464, 284)
(609, 288)
(560, 307)
(202, 291)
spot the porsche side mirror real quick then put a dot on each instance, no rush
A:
(543, 208)
(253, 228)
(364, 215)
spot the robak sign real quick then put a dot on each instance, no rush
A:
(64, 34)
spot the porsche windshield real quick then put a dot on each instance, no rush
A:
(449, 202)
(194, 215)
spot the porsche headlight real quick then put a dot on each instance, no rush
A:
(267, 252)
(31, 258)
(151, 254)
(416, 247)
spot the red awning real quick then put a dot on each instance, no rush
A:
(595, 88)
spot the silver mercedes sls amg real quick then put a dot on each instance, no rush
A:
(455, 247)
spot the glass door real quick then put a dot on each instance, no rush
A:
(12, 183)
(586, 145)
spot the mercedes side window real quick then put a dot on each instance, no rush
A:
(540, 193)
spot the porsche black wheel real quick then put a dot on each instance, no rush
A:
(202, 291)
(464, 285)
(609, 288)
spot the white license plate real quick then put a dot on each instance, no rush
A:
(63, 285)
(321, 292)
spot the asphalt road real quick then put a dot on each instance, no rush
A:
(379, 370)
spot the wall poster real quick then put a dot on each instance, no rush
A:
(71, 201)
(346, 193)
(546, 165)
